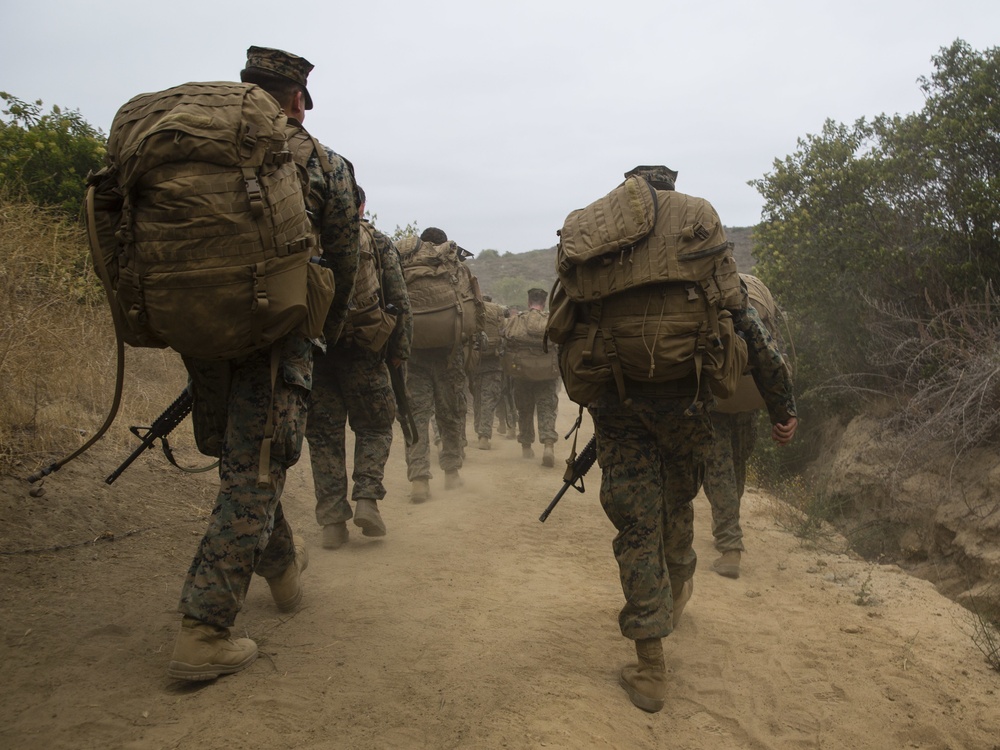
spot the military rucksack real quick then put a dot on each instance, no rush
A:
(526, 355)
(646, 279)
(368, 324)
(198, 224)
(495, 317)
(445, 300)
(747, 397)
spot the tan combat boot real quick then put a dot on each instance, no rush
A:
(527, 452)
(484, 443)
(366, 516)
(646, 682)
(729, 564)
(420, 491)
(286, 588)
(548, 456)
(335, 535)
(452, 480)
(204, 652)
(682, 592)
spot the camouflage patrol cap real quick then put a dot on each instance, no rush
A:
(660, 177)
(277, 62)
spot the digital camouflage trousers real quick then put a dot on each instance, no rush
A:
(247, 531)
(726, 475)
(652, 459)
(351, 387)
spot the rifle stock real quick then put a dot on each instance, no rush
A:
(403, 413)
(162, 426)
(397, 378)
(575, 471)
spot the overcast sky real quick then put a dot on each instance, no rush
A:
(493, 120)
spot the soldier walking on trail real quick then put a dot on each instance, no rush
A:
(735, 423)
(647, 349)
(534, 374)
(447, 315)
(352, 385)
(237, 401)
(487, 384)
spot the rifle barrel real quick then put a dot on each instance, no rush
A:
(555, 501)
(581, 466)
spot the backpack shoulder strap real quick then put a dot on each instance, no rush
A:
(304, 144)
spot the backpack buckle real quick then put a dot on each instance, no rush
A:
(249, 141)
(255, 195)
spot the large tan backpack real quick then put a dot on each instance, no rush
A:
(445, 300)
(747, 396)
(198, 225)
(495, 318)
(526, 355)
(368, 324)
(646, 279)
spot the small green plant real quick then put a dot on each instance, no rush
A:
(800, 510)
(864, 596)
(985, 632)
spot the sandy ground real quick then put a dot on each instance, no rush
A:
(471, 625)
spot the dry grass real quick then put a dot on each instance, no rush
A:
(57, 349)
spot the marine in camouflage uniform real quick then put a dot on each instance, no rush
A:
(487, 384)
(726, 475)
(726, 468)
(536, 397)
(352, 386)
(435, 382)
(652, 457)
(652, 451)
(232, 404)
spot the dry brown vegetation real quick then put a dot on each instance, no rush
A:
(57, 350)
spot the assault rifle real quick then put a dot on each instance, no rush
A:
(398, 381)
(403, 413)
(575, 470)
(510, 407)
(162, 426)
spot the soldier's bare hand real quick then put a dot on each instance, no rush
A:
(783, 432)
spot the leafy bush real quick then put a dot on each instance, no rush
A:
(900, 210)
(45, 158)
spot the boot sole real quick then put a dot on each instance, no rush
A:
(728, 571)
(651, 705)
(370, 526)
(178, 670)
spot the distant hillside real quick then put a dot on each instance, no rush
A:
(508, 277)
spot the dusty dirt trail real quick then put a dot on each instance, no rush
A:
(471, 625)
